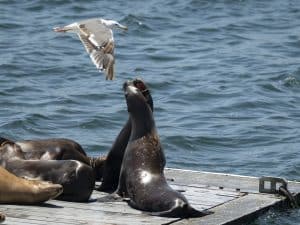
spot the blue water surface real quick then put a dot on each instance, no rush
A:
(224, 75)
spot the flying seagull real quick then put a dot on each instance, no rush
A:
(97, 37)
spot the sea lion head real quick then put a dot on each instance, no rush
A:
(139, 106)
(4, 141)
(141, 85)
(136, 101)
(9, 150)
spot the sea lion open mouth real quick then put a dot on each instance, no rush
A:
(138, 83)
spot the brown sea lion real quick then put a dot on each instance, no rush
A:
(112, 164)
(77, 178)
(142, 177)
(2, 217)
(58, 149)
(18, 190)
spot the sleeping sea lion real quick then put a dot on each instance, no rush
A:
(58, 149)
(16, 190)
(77, 178)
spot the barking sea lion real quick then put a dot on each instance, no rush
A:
(142, 177)
(112, 164)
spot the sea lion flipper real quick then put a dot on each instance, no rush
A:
(179, 212)
(110, 198)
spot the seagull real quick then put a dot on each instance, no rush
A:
(97, 37)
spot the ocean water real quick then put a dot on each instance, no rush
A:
(224, 75)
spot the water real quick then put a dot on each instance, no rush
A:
(224, 74)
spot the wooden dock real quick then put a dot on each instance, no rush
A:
(233, 199)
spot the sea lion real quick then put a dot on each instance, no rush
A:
(77, 178)
(18, 190)
(142, 178)
(58, 149)
(112, 164)
(2, 217)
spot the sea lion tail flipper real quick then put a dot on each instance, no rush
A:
(181, 212)
(191, 212)
(97, 163)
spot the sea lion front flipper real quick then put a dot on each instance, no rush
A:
(114, 197)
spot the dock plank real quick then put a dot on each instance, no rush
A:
(226, 181)
(233, 199)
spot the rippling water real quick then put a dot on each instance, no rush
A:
(224, 74)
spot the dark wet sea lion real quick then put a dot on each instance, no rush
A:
(58, 149)
(112, 165)
(77, 178)
(18, 190)
(142, 177)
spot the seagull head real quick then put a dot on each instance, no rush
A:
(113, 24)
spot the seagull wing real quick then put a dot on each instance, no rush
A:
(89, 47)
(98, 42)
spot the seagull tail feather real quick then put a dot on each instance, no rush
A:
(110, 73)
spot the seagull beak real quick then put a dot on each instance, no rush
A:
(122, 27)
